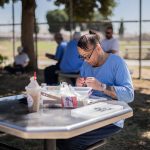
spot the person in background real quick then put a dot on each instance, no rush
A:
(71, 63)
(20, 63)
(110, 44)
(109, 77)
(50, 75)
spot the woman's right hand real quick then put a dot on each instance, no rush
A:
(80, 82)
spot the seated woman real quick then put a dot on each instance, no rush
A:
(109, 76)
(20, 63)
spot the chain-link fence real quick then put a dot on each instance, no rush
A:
(129, 41)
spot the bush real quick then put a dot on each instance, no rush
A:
(2, 59)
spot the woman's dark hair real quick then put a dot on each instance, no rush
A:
(91, 38)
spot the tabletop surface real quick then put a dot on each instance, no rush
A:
(14, 115)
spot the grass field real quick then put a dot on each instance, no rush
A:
(50, 46)
(6, 48)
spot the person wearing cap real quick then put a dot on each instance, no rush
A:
(50, 75)
(110, 44)
(21, 61)
(71, 63)
(22, 58)
(107, 74)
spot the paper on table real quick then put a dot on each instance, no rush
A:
(96, 110)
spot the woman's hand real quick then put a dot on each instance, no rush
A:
(94, 83)
(80, 82)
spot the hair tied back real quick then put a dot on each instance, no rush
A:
(93, 32)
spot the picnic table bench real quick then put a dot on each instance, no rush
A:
(67, 77)
(132, 51)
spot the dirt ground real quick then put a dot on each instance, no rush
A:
(134, 136)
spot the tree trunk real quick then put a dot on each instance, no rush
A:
(27, 30)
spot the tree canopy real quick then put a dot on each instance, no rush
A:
(2, 2)
(58, 16)
(84, 9)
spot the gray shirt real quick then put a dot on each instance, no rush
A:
(110, 44)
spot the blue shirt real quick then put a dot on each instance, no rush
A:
(71, 63)
(60, 50)
(114, 72)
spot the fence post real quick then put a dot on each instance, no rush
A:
(13, 28)
(140, 36)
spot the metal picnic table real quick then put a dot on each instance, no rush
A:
(51, 123)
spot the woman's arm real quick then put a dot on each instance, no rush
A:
(97, 85)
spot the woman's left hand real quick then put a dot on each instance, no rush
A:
(94, 83)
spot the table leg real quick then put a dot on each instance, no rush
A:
(49, 144)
